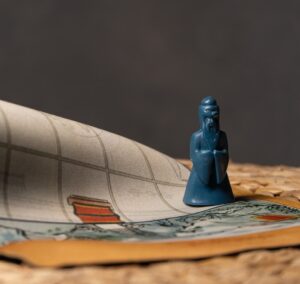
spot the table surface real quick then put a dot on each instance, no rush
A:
(260, 266)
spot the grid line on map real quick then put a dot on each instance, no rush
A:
(107, 173)
(83, 164)
(119, 173)
(154, 181)
(179, 174)
(172, 166)
(7, 164)
(59, 167)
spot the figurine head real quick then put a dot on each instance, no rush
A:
(209, 114)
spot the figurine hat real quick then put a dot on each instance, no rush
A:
(208, 102)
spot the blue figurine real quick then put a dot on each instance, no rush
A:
(208, 183)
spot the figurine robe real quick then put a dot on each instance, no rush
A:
(208, 183)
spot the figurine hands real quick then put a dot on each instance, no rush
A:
(221, 162)
(203, 164)
(207, 162)
(207, 152)
(216, 152)
(207, 156)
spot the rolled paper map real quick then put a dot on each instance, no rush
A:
(58, 170)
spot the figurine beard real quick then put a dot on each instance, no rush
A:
(211, 125)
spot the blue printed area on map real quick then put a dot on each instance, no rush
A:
(238, 218)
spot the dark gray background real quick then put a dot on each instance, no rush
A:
(140, 69)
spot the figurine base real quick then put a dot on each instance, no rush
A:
(200, 194)
(205, 203)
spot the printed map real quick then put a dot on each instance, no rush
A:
(63, 180)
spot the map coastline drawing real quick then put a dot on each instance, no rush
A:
(241, 217)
